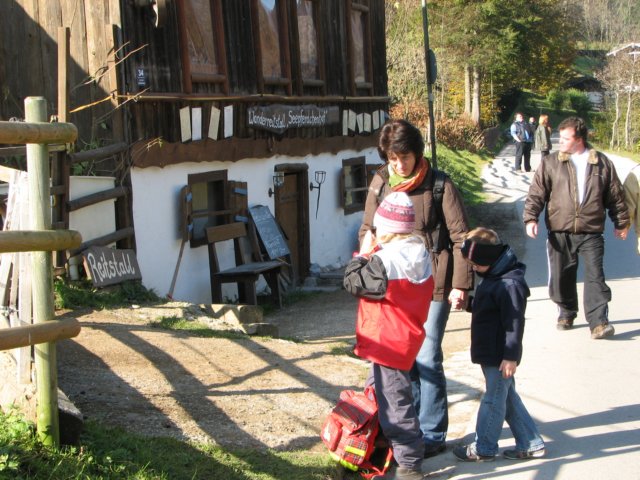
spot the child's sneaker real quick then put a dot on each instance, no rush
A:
(400, 473)
(523, 454)
(467, 453)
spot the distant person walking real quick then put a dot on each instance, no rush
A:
(578, 185)
(497, 328)
(632, 199)
(543, 136)
(523, 138)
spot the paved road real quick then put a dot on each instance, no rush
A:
(584, 394)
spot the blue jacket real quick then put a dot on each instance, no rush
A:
(497, 318)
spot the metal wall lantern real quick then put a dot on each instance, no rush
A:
(320, 176)
(278, 181)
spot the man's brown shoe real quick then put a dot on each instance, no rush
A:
(602, 331)
(564, 324)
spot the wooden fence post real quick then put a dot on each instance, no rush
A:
(42, 280)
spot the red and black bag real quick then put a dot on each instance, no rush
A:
(350, 432)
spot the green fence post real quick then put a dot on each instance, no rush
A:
(42, 284)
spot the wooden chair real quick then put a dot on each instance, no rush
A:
(246, 272)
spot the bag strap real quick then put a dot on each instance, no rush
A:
(440, 239)
(369, 470)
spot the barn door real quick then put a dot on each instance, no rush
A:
(292, 213)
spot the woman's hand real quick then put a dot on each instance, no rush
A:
(368, 244)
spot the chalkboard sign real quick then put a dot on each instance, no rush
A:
(269, 232)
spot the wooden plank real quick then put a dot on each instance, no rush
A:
(108, 266)
(24, 132)
(92, 199)
(104, 240)
(64, 33)
(98, 153)
(23, 285)
(111, 41)
(38, 240)
(49, 331)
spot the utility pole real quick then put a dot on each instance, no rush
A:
(428, 56)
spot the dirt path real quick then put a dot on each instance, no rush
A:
(244, 391)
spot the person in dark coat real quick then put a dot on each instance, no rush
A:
(497, 328)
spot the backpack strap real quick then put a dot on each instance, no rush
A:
(440, 236)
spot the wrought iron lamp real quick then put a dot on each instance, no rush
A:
(278, 181)
(321, 176)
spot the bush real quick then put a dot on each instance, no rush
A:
(578, 101)
(556, 99)
(459, 134)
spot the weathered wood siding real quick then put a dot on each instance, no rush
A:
(28, 66)
(28, 59)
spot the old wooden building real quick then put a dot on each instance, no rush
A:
(224, 105)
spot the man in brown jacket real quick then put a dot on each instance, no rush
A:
(578, 185)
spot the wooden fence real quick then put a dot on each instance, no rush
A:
(40, 240)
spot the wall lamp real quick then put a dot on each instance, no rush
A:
(321, 176)
(278, 181)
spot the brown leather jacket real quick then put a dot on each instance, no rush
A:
(554, 184)
(449, 267)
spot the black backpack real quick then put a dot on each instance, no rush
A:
(440, 235)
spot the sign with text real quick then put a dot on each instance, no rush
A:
(108, 266)
(269, 232)
(278, 118)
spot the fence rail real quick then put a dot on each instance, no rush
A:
(36, 133)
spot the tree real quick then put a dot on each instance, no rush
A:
(620, 77)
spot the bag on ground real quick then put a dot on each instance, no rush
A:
(350, 432)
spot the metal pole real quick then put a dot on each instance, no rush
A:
(427, 60)
(42, 285)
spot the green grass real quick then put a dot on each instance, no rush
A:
(110, 454)
(464, 168)
(84, 294)
(194, 328)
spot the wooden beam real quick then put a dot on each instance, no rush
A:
(38, 241)
(37, 132)
(50, 331)
(98, 197)
(104, 240)
(21, 150)
(64, 34)
(98, 153)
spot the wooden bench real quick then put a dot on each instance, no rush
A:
(246, 272)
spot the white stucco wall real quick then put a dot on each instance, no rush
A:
(156, 218)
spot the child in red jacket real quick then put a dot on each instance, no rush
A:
(392, 277)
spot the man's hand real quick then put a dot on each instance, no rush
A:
(458, 299)
(508, 368)
(621, 234)
(532, 229)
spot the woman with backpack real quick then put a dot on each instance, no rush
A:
(441, 220)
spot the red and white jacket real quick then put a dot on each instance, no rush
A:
(395, 287)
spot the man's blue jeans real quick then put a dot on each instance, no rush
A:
(501, 403)
(428, 380)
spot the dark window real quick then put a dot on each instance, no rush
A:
(202, 35)
(272, 51)
(359, 34)
(209, 204)
(356, 176)
(308, 39)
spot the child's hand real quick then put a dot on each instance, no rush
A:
(508, 368)
(368, 243)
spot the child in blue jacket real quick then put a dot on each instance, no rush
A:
(497, 328)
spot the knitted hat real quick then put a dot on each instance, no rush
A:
(395, 214)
